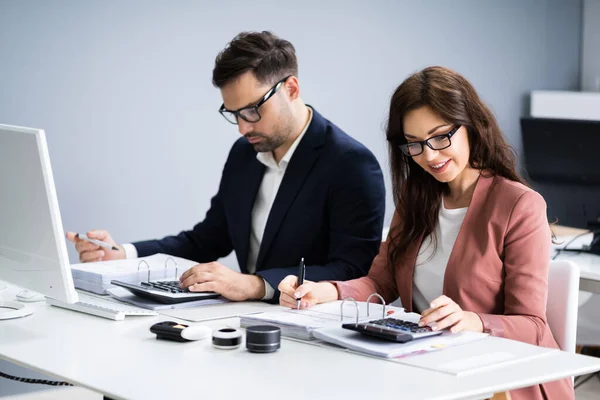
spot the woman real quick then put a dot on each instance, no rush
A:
(469, 245)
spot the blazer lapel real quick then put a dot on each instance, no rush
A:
(483, 183)
(297, 171)
(248, 189)
(405, 275)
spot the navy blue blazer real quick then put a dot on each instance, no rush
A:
(329, 209)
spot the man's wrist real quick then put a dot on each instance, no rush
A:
(256, 287)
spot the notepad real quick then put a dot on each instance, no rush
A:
(301, 324)
(95, 277)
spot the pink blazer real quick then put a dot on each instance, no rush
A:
(498, 268)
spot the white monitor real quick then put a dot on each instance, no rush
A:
(33, 252)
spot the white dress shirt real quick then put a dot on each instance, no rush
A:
(264, 200)
(263, 203)
(428, 279)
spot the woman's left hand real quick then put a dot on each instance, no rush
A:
(445, 313)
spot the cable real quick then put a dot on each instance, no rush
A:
(564, 248)
(579, 382)
(36, 381)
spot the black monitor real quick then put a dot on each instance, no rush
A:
(561, 158)
(562, 150)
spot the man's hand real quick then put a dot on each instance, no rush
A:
(89, 252)
(215, 277)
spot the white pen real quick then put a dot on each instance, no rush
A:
(96, 242)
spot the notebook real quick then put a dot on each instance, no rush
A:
(95, 277)
(301, 324)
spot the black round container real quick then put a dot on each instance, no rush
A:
(227, 338)
(263, 338)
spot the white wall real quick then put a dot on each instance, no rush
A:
(123, 88)
(590, 57)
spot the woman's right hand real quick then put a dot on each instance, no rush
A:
(311, 293)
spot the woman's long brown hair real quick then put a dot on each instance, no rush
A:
(417, 194)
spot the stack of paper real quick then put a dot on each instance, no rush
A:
(96, 277)
(301, 324)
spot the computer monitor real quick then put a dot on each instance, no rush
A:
(560, 158)
(561, 151)
(33, 252)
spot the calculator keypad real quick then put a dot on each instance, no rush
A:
(167, 286)
(401, 325)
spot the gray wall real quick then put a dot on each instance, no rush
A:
(590, 58)
(123, 88)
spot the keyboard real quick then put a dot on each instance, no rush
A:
(101, 307)
(167, 292)
(395, 330)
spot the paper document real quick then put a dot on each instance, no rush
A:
(125, 295)
(489, 353)
(218, 311)
(95, 277)
(382, 348)
(301, 324)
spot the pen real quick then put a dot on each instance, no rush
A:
(96, 242)
(301, 272)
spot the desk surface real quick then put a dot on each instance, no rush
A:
(122, 359)
(589, 264)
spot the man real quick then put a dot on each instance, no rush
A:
(294, 186)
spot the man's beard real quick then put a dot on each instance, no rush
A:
(272, 142)
(268, 143)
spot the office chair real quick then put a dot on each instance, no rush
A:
(563, 303)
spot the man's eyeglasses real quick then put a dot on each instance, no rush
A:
(438, 142)
(250, 113)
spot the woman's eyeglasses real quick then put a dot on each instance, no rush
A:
(438, 142)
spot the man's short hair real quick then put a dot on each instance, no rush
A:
(266, 55)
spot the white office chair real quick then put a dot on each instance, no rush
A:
(563, 303)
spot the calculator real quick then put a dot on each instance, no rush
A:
(395, 330)
(166, 292)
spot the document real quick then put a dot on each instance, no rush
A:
(126, 296)
(95, 277)
(300, 324)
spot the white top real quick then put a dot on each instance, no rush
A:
(262, 204)
(428, 280)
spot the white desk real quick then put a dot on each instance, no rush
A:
(589, 264)
(123, 360)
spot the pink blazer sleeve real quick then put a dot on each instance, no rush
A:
(526, 257)
(379, 280)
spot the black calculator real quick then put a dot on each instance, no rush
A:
(395, 330)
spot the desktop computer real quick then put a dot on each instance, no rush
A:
(33, 252)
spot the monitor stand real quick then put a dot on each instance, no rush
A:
(12, 309)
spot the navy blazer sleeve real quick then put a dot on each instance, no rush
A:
(355, 208)
(208, 241)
